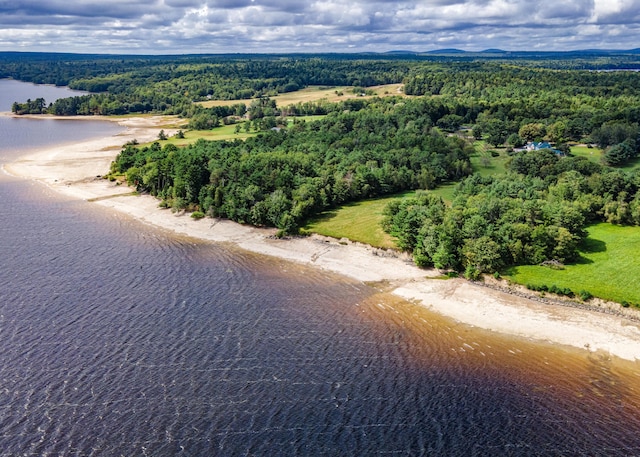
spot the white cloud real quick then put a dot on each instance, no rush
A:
(161, 26)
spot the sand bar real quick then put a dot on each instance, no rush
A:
(74, 170)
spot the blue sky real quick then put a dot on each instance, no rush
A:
(224, 26)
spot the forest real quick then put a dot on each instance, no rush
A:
(281, 177)
(294, 168)
(536, 213)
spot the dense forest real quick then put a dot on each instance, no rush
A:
(170, 86)
(362, 148)
(281, 177)
(536, 213)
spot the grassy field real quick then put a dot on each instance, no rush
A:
(315, 93)
(632, 165)
(290, 120)
(225, 132)
(360, 221)
(356, 221)
(608, 268)
(593, 154)
(484, 164)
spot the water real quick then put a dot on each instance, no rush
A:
(119, 339)
(17, 91)
(22, 133)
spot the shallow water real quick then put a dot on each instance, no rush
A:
(120, 339)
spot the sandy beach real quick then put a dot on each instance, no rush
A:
(75, 169)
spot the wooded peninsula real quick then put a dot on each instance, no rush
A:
(486, 162)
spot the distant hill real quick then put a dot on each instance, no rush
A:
(534, 53)
(400, 51)
(447, 51)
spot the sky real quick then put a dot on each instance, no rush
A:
(275, 26)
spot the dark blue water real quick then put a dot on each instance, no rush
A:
(118, 339)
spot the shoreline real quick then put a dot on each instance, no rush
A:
(75, 170)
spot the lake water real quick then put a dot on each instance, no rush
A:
(120, 339)
(23, 133)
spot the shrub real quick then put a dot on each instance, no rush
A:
(471, 273)
(197, 215)
(585, 295)
(567, 292)
(561, 291)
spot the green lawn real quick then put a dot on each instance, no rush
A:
(632, 165)
(360, 221)
(609, 267)
(483, 163)
(593, 154)
(356, 221)
(224, 132)
(445, 191)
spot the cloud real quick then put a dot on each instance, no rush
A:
(182, 26)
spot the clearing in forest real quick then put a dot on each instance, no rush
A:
(316, 93)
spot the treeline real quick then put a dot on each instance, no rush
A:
(37, 106)
(536, 213)
(507, 102)
(172, 85)
(500, 95)
(511, 104)
(281, 178)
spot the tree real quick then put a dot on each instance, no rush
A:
(620, 153)
(614, 133)
(483, 254)
(532, 132)
(450, 122)
(497, 131)
(204, 121)
(515, 140)
(556, 132)
(162, 136)
(477, 131)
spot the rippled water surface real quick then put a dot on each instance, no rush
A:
(119, 339)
